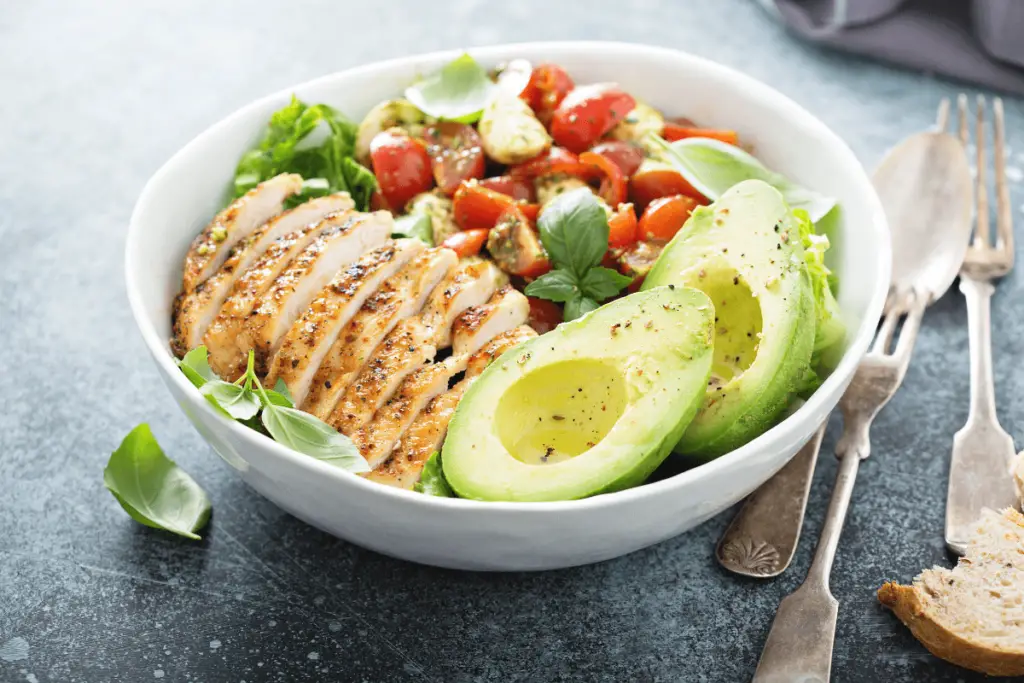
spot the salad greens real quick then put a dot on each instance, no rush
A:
(152, 489)
(417, 225)
(574, 232)
(830, 329)
(458, 92)
(288, 146)
(713, 166)
(432, 481)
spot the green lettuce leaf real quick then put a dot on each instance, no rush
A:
(830, 330)
(432, 481)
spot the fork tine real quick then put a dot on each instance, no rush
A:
(1004, 220)
(915, 311)
(942, 120)
(888, 327)
(981, 230)
(961, 110)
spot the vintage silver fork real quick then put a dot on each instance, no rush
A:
(979, 474)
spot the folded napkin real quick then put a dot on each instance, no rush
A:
(981, 41)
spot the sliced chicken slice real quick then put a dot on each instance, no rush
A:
(413, 342)
(310, 338)
(505, 311)
(294, 289)
(195, 310)
(426, 433)
(225, 358)
(399, 298)
(210, 248)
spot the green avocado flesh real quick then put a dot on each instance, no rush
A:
(593, 406)
(744, 252)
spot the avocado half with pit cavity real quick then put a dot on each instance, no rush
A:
(593, 406)
(744, 251)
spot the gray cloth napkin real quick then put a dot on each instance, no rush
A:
(981, 41)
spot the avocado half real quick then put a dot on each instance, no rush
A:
(593, 406)
(744, 251)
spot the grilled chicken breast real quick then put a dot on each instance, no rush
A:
(310, 337)
(413, 342)
(295, 288)
(210, 248)
(195, 311)
(425, 435)
(220, 339)
(399, 298)
(507, 309)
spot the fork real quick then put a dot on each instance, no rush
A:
(799, 646)
(982, 450)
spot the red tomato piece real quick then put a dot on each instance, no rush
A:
(555, 160)
(513, 186)
(548, 86)
(544, 315)
(613, 183)
(467, 242)
(377, 202)
(456, 154)
(622, 227)
(648, 185)
(476, 207)
(401, 165)
(587, 113)
(663, 217)
(675, 131)
(626, 155)
(515, 246)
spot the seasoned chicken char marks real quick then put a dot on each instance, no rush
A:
(210, 248)
(221, 338)
(310, 337)
(425, 435)
(196, 310)
(399, 298)
(506, 310)
(294, 289)
(414, 342)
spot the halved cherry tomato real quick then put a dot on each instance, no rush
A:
(555, 160)
(544, 315)
(401, 165)
(638, 260)
(587, 113)
(515, 246)
(515, 187)
(456, 154)
(377, 202)
(650, 184)
(548, 86)
(675, 131)
(626, 155)
(622, 227)
(663, 217)
(476, 207)
(613, 183)
(466, 242)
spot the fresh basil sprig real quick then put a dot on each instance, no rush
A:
(154, 490)
(432, 481)
(574, 232)
(458, 92)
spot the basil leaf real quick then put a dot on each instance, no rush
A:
(713, 166)
(602, 283)
(574, 231)
(578, 306)
(237, 401)
(432, 481)
(458, 92)
(281, 396)
(196, 367)
(152, 489)
(416, 225)
(558, 285)
(306, 434)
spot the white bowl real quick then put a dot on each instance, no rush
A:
(190, 188)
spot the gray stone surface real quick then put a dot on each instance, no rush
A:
(96, 97)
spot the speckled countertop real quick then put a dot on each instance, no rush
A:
(96, 97)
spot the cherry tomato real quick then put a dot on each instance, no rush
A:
(675, 131)
(456, 154)
(377, 202)
(544, 315)
(548, 86)
(626, 155)
(638, 260)
(515, 246)
(467, 242)
(587, 113)
(622, 227)
(613, 182)
(555, 160)
(401, 165)
(663, 217)
(515, 187)
(656, 181)
(475, 206)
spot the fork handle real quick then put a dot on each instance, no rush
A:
(978, 294)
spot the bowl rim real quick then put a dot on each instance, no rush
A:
(752, 87)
